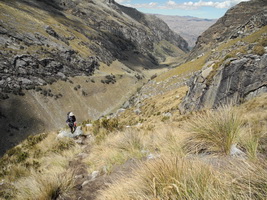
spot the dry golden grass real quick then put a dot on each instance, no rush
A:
(172, 173)
(44, 173)
(214, 130)
(182, 178)
(135, 143)
(190, 176)
(255, 119)
(47, 185)
(116, 149)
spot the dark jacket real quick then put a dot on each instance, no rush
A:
(71, 119)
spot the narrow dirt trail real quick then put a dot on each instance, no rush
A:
(87, 186)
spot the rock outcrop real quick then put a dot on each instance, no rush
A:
(235, 81)
(58, 39)
(236, 67)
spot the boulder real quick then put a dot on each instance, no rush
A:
(67, 133)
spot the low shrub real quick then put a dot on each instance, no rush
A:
(63, 145)
(32, 140)
(22, 156)
(259, 50)
(108, 124)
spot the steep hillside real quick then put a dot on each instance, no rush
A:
(231, 25)
(188, 27)
(49, 49)
(70, 38)
(235, 69)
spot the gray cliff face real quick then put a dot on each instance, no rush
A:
(235, 81)
(236, 72)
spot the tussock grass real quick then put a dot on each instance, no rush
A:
(129, 141)
(248, 180)
(214, 130)
(115, 150)
(184, 178)
(135, 143)
(45, 186)
(169, 178)
(255, 118)
(167, 140)
(250, 141)
(102, 127)
(44, 173)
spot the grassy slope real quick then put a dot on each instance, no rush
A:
(206, 176)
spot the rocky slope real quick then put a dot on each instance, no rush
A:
(235, 70)
(236, 81)
(230, 25)
(188, 27)
(70, 38)
(50, 48)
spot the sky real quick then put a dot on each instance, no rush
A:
(208, 9)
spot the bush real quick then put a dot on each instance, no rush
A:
(165, 118)
(35, 139)
(84, 93)
(214, 131)
(63, 145)
(102, 127)
(259, 50)
(13, 151)
(22, 156)
(108, 124)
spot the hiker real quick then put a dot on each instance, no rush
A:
(71, 121)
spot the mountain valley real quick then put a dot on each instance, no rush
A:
(155, 120)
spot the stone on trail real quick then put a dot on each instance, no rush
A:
(67, 133)
(234, 151)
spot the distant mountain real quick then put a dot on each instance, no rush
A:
(188, 27)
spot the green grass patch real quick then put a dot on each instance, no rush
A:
(185, 68)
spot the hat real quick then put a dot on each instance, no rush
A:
(71, 114)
